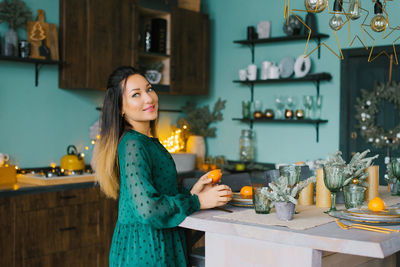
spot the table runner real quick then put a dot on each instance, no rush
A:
(308, 216)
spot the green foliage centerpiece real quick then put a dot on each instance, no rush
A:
(354, 176)
(284, 197)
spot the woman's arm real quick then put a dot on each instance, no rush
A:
(152, 207)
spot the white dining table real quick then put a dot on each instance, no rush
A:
(235, 243)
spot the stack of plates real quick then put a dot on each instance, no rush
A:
(389, 216)
(237, 200)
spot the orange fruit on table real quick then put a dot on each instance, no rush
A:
(215, 175)
(376, 204)
(246, 192)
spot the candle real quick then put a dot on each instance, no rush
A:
(306, 196)
(373, 181)
(323, 195)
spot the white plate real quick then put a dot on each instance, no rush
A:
(236, 198)
(286, 67)
(302, 66)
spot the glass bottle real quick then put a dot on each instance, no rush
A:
(246, 146)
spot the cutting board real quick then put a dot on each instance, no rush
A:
(39, 32)
(32, 179)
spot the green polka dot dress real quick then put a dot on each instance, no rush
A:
(150, 206)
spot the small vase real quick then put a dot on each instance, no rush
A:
(11, 43)
(197, 145)
(284, 210)
(353, 196)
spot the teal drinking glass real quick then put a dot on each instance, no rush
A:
(333, 179)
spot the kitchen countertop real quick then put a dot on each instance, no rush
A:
(7, 190)
(226, 238)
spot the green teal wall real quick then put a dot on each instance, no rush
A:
(276, 142)
(38, 123)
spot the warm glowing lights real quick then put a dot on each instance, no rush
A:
(174, 143)
(53, 164)
(86, 148)
(82, 155)
(98, 137)
(93, 142)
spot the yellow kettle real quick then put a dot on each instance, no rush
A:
(73, 161)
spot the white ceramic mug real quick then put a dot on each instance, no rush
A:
(252, 72)
(3, 159)
(273, 72)
(242, 74)
(265, 65)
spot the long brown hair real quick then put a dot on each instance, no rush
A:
(112, 125)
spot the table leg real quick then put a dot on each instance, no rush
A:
(232, 251)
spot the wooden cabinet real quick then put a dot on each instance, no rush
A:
(189, 52)
(93, 44)
(7, 244)
(96, 36)
(64, 228)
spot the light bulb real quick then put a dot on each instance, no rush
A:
(336, 21)
(315, 5)
(355, 9)
(378, 22)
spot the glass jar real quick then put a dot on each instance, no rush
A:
(246, 146)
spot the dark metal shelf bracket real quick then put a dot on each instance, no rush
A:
(319, 47)
(317, 130)
(38, 66)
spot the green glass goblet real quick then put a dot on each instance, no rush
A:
(394, 171)
(333, 179)
(292, 172)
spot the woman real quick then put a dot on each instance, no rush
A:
(134, 166)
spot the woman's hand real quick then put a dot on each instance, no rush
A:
(216, 196)
(201, 184)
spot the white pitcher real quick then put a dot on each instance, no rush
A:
(3, 158)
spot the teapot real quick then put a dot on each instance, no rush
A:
(73, 161)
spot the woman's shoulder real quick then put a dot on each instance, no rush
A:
(133, 138)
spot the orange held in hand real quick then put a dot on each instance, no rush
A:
(246, 192)
(215, 175)
(376, 204)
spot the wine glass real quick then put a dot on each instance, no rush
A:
(291, 102)
(308, 103)
(333, 179)
(280, 104)
(318, 105)
(292, 172)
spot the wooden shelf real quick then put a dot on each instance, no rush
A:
(293, 121)
(281, 120)
(153, 55)
(37, 62)
(30, 60)
(281, 39)
(323, 76)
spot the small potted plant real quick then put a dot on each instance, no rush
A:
(15, 13)
(284, 197)
(197, 122)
